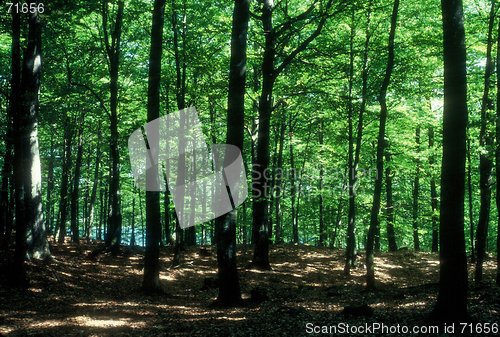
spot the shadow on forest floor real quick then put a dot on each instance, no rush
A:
(75, 296)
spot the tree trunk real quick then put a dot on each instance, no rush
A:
(416, 190)
(279, 180)
(260, 172)
(451, 303)
(470, 200)
(497, 155)
(151, 280)
(374, 221)
(66, 169)
(322, 229)
(225, 226)
(434, 199)
(485, 160)
(75, 237)
(29, 216)
(6, 212)
(95, 184)
(293, 185)
(389, 206)
(350, 253)
(132, 224)
(113, 235)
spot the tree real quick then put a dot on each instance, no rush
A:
(485, 160)
(270, 72)
(225, 225)
(29, 216)
(451, 303)
(374, 221)
(112, 47)
(497, 155)
(151, 280)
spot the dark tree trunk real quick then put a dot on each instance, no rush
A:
(75, 237)
(485, 160)
(470, 200)
(27, 171)
(350, 253)
(66, 169)
(497, 155)
(322, 229)
(451, 303)
(416, 191)
(95, 184)
(434, 198)
(389, 206)
(50, 186)
(6, 212)
(293, 185)
(374, 221)
(353, 161)
(113, 235)
(225, 226)
(132, 224)
(260, 188)
(260, 171)
(151, 280)
(279, 180)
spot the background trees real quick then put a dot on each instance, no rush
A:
(307, 97)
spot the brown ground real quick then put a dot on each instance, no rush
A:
(74, 296)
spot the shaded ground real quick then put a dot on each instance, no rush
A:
(75, 296)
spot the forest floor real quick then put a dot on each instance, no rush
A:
(76, 296)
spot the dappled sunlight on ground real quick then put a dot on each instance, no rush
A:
(76, 296)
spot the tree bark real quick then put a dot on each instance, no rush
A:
(416, 191)
(389, 206)
(451, 303)
(434, 199)
(497, 155)
(374, 221)
(6, 212)
(151, 280)
(27, 171)
(485, 160)
(225, 226)
(113, 235)
(75, 192)
(66, 169)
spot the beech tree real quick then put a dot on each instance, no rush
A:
(452, 299)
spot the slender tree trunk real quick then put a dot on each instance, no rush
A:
(66, 169)
(416, 191)
(113, 235)
(389, 206)
(151, 280)
(279, 180)
(293, 184)
(75, 237)
(485, 160)
(374, 221)
(322, 229)
(497, 155)
(470, 200)
(132, 224)
(260, 172)
(6, 212)
(434, 198)
(95, 183)
(350, 253)
(451, 303)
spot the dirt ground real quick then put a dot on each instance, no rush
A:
(76, 296)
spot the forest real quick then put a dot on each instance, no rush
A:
(365, 135)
